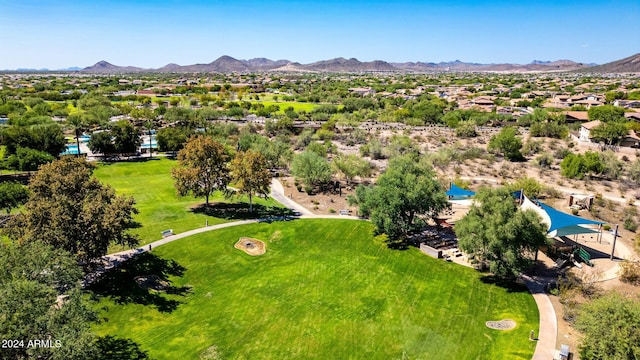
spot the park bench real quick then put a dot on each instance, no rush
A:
(167, 232)
(585, 256)
(345, 212)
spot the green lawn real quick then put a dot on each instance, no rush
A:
(297, 106)
(325, 289)
(150, 183)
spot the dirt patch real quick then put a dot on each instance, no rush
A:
(501, 325)
(320, 203)
(151, 282)
(251, 246)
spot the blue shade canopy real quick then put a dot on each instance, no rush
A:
(459, 192)
(561, 220)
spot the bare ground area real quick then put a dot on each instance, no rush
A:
(320, 203)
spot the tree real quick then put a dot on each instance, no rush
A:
(610, 328)
(77, 123)
(40, 298)
(171, 139)
(250, 175)
(606, 113)
(508, 143)
(203, 168)
(402, 198)
(102, 142)
(27, 159)
(71, 210)
(351, 166)
(312, 168)
(48, 138)
(609, 132)
(466, 129)
(576, 166)
(12, 195)
(496, 231)
(126, 138)
(634, 171)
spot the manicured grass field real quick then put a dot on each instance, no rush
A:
(297, 106)
(325, 289)
(150, 183)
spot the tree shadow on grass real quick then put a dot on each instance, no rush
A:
(142, 280)
(400, 244)
(240, 211)
(110, 347)
(512, 285)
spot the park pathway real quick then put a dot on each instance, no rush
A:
(548, 328)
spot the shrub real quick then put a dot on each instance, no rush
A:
(561, 153)
(630, 224)
(331, 211)
(630, 272)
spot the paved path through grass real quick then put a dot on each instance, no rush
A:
(548, 327)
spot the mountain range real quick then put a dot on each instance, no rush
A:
(228, 64)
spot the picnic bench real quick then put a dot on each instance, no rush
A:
(167, 232)
(345, 212)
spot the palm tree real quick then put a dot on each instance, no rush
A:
(77, 122)
(148, 124)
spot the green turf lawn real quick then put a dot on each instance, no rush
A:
(150, 183)
(297, 106)
(325, 289)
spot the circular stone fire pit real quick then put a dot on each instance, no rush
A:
(501, 325)
(251, 246)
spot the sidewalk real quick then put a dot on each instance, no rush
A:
(548, 331)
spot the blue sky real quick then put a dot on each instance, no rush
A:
(57, 34)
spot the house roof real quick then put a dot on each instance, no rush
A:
(632, 115)
(591, 124)
(577, 115)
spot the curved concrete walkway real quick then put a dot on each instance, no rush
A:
(548, 327)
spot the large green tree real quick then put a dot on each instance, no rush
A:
(606, 113)
(403, 198)
(312, 168)
(126, 138)
(40, 299)
(496, 231)
(507, 143)
(70, 209)
(609, 132)
(610, 328)
(102, 142)
(250, 175)
(12, 195)
(172, 139)
(203, 168)
(350, 166)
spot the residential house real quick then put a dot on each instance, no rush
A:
(633, 116)
(576, 116)
(585, 130)
(363, 91)
(631, 140)
(627, 104)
